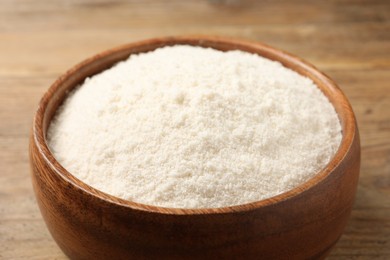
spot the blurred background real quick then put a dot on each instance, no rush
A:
(347, 39)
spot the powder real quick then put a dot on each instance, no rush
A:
(192, 127)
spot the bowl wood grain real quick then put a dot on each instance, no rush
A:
(303, 223)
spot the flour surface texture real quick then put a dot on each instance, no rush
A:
(192, 127)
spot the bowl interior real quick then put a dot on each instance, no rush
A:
(75, 76)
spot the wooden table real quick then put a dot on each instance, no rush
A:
(349, 40)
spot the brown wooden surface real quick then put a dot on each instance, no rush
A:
(349, 40)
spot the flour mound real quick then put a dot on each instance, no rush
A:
(192, 127)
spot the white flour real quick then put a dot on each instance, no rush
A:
(191, 127)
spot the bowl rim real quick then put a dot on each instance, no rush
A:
(346, 117)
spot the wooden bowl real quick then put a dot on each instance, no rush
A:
(302, 223)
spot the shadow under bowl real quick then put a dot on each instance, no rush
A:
(302, 223)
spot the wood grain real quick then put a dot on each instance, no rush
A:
(348, 39)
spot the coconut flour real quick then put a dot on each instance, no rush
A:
(193, 127)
